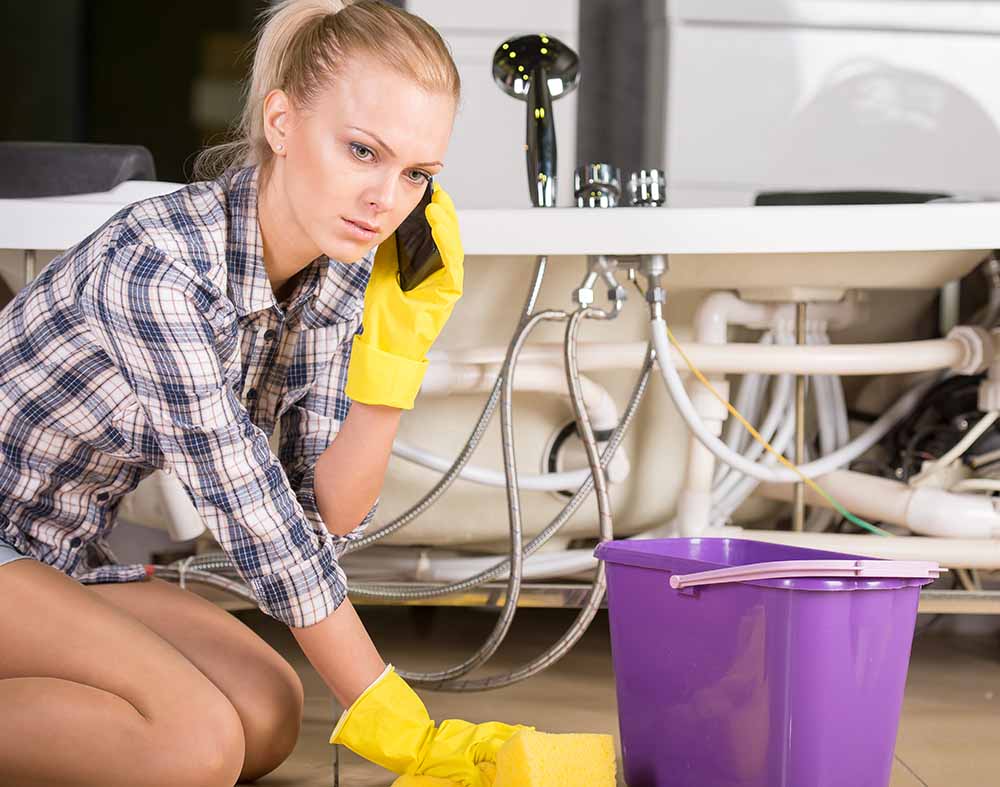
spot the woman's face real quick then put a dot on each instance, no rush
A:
(356, 163)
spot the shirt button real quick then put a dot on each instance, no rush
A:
(252, 393)
(102, 496)
(270, 335)
(74, 542)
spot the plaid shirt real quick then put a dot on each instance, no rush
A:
(157, 343)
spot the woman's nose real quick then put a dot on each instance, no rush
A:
(381, 196)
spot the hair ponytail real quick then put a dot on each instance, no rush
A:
(302, 43)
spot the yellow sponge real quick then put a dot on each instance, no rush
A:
(538, 759)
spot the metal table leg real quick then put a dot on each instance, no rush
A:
(337, 710)
(799, 504)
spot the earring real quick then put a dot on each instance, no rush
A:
(281, 147)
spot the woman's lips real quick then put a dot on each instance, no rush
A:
(359, 231)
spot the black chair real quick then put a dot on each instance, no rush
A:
(50, 169)
(53, 169)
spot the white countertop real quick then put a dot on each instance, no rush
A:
(56, 223)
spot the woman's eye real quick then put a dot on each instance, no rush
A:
(419, 177)
(361, 152)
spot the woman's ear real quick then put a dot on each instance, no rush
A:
(276, 111)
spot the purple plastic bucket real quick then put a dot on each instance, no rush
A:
(790, 681)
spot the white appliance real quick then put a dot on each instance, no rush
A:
(830, 95)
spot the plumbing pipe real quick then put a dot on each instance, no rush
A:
(694, 501)
(828, 420)
(404, 564)
(434, 566)
(778, 417)
(742, 486)
(979, 553)
(506, 618)
(987, 317)
(721, 309)
(409, 563)
(799, 499)
(844, 456)
(843, 423)
(977, 485)
(923, 510)
(617, 471)
(958, 450)
(953, 353)
(715, 314)
(842, 430)
(840, 359)
(712, 320)
(748, 402)
(444, 378)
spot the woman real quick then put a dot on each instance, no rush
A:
(178, 336)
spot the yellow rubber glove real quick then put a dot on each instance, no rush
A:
(488, 769)
(388, 359)
(389, 725)
(422, 781)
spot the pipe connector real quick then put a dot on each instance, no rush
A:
(617, 296)
(977, 348)
(584, 296)
(652, 267)
(989, 388)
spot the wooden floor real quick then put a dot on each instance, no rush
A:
(949, 735)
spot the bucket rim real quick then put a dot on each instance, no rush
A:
(782, 566)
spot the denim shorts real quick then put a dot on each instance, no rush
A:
(8, 554)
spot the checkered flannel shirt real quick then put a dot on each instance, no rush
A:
(157, 343)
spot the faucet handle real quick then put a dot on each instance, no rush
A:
(647, 188)
(597, 185)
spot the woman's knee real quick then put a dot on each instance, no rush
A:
(272, 719)
(203, 745)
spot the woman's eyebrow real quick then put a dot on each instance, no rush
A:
(391, 152)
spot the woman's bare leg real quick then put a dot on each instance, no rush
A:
(259, 683)
(89, 696)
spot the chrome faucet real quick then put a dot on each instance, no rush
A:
(537, 69)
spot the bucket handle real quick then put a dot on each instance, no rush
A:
(785, 569)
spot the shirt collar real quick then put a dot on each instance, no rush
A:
(328, 290)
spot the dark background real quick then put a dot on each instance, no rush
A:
(111, 71)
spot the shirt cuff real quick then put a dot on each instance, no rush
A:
(377, 377)
(302, 594)
(307, 499)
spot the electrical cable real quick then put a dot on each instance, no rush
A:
(756, 471)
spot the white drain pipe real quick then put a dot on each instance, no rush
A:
(959, 352)
(923, 510)
(978, 553)
(445, 378)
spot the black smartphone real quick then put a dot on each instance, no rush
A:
(418, 255)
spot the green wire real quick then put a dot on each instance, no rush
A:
(856, 520)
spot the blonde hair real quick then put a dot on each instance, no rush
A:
(301, 44)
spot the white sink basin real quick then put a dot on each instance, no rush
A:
(834, 247)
